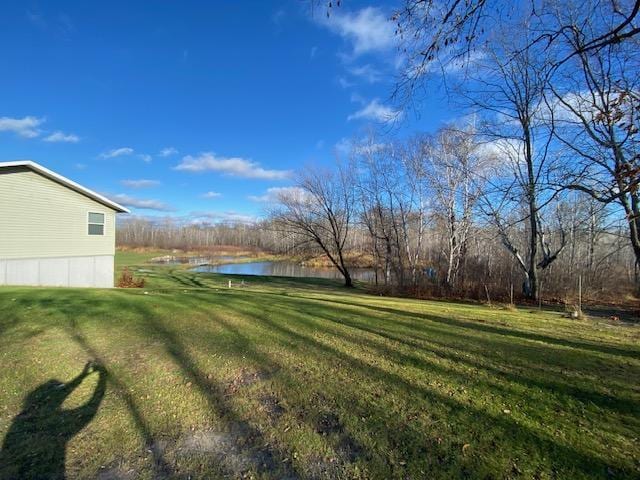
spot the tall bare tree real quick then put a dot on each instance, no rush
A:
(437, 33)
(454, 168)
(597, 117)
(510, 90)
(321, 211)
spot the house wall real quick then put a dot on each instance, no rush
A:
(90, 271)
(44, 236)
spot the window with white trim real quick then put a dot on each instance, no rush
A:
(96, 223)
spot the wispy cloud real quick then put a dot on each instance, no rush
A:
(59, 24)
(211, 195)
(278, 17)
(218, 217)
(145, 157)
(312, 52)
(117, 152)
(233, 166)
(195, 218)
(346, 146)
(367, 30)
(274, 194)
(142, 183)
(129, 201)
(376, 111)
(367, 72)
(168, 151)
(61, 137)
(344, 83)
(26, 127)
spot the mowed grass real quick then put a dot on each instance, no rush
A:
(284, 378)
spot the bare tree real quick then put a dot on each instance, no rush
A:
(438, 33)
(453, 168)
(597, 117)
(510, 95)
(321, 211)
(392, 194)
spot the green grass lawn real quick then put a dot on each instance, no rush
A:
(303, 379)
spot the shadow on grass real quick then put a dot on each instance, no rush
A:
(520, 437)
(35, 445)
(493, 329)
(306, 328)
(160, 466)
(248, 443)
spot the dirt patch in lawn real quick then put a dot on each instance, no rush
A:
(116, 472)
(346, 447)
(234, 450)
(245, 378)
(272, 407)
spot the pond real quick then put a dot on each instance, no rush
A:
(195, 260)
(285, 269)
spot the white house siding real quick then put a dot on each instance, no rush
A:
(92, 271)
(44, 236)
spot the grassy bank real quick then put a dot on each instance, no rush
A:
(292, 378)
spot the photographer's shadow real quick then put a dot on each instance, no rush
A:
(36, 442)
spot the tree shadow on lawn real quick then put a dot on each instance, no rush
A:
(520, 437)
(440, 349)
(36, 443)
(492, 329)
(405, 438)
(240, 447)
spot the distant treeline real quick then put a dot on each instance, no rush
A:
(595, 251)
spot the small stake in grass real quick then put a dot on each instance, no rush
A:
(540, 296)
(229, 283)
(580, 295)
(511, 293)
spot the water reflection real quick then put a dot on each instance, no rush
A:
(285, 269)
(199, 260)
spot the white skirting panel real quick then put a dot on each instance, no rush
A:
(93, 271)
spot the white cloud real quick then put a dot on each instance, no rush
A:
(233, 166)
(217, 217)
(26, 127)
(129, 201)
(459, 65)
(211, 195)
(368, 30)
(193, 218)
(61, 137)
(278, 16)
(117, 152)
(367, 72)
(168, 151)
(347, 146)
(344, 83)
(274, 194)
(312, 52)
(145, 157)
(376, 111)
(142, 183)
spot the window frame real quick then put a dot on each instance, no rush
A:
(104, 223)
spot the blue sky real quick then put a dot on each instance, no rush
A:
(195, 109)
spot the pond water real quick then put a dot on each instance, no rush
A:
(197, 260)
(285, 269)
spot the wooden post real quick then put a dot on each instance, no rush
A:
(512, 293)
(540, 296)
(229, 283)
(486, 290)
(580, 294)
